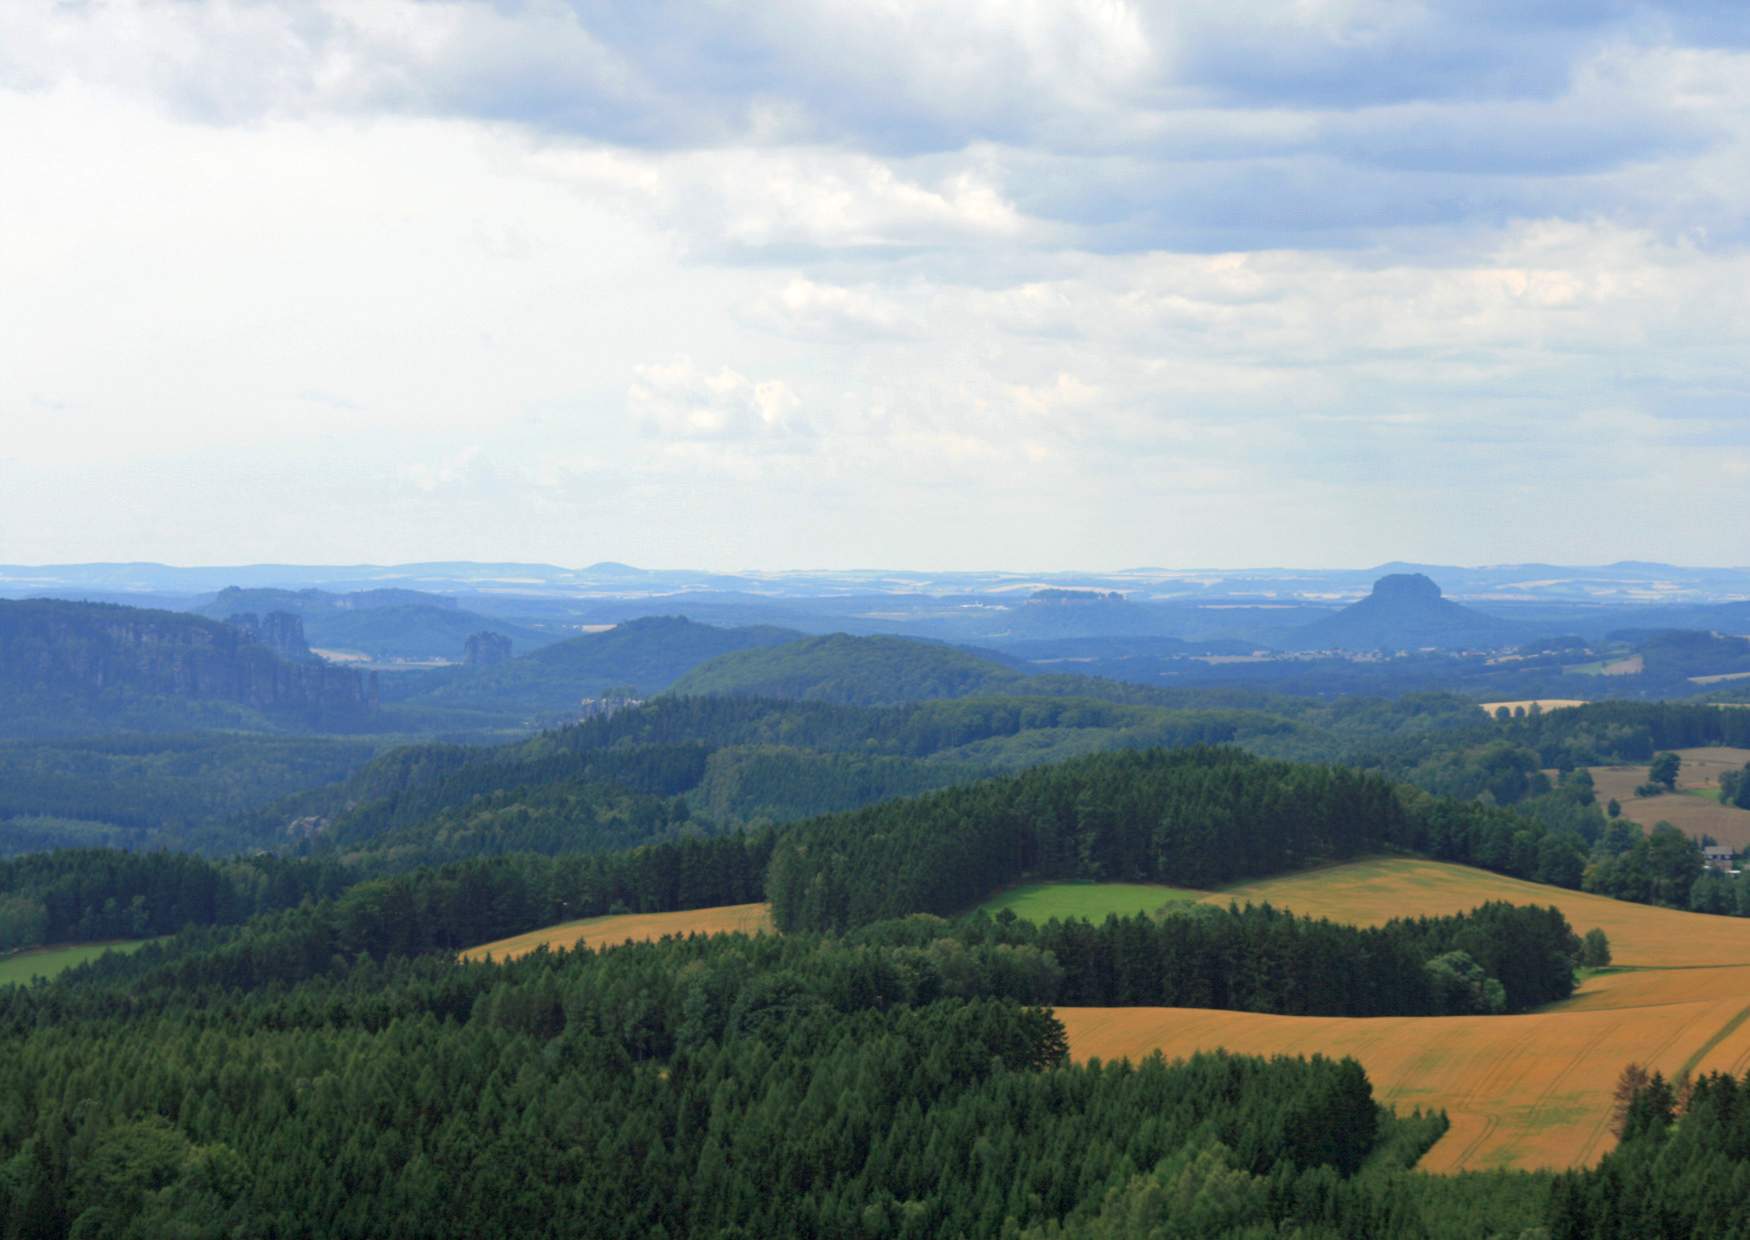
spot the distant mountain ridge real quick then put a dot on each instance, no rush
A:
(1624, 583)
(382, 623)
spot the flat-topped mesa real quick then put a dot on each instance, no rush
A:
(1406, 587)
(1407, 611)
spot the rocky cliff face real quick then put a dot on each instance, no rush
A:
(87, 651)
(486, 650)
(280, 631)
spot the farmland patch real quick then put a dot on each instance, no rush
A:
(1376, 890)
(1696, 814)
(629, 927)
(1521, 1091)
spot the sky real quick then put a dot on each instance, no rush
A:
(836, 283)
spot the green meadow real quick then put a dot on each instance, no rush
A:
(49, 961)
(1040, 902)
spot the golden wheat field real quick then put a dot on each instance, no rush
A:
(1693, 814)
(1522, 1091)
(1366, 893)
(630, 927)
(1528, 703)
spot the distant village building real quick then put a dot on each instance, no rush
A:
(1719, 857)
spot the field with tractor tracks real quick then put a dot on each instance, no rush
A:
(1695, 807)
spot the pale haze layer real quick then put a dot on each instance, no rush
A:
(830, 284)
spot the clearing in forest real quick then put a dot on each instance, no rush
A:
(629, 928)
(1522, 1091)
(1694, 808)
(22, 967)
(1040, 902)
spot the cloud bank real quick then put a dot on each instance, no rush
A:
(1023, 284)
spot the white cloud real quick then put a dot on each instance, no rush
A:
(676, 401)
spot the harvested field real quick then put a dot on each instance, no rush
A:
(1376, 890)
(631, 927)
(1040, 902)
(1522, 1091)
(1693, 815)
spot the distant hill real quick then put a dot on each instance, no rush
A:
(1058, 613)
(68, 667)
(385, 624)
(1673, 655)
(855, 671)
(645, 655)
(1406, 612)
(233, 599)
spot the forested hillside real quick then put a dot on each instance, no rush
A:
(853, 671)
(703, 765)
(156, 790)
(547, 686)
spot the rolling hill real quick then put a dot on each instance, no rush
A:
(645, 655)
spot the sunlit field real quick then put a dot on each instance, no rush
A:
(1522, 1091)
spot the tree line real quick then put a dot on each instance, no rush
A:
(1497, 958)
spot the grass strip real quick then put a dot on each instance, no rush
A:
(1720, 1035)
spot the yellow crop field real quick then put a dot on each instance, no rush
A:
(630, 927)
(1541, 703)
(1522, 1091)
(1369, 892)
